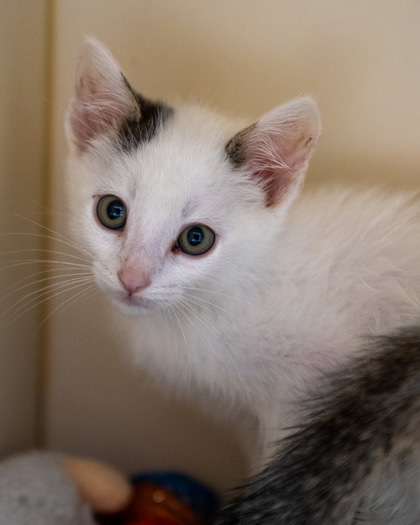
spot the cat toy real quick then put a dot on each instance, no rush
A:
(44, 488)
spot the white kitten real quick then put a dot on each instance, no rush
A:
(249, 295)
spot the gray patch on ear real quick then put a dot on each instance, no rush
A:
(143, 125)
(235, 147)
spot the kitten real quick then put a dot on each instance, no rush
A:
(356, 456)
(226, 282)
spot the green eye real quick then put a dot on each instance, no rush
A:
(111, 212)
(196, 239)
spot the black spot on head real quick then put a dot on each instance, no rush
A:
(235, 148)
(140, 127)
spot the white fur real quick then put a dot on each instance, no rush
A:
(282, 297)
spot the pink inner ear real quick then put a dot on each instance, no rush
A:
(96, 108)
(279, 160)
(277, 148)
(276, 187)
(93, 113)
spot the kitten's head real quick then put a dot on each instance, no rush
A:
(174, 199)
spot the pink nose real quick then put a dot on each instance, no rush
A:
(133, 280)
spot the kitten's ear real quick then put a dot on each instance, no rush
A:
(102, 99)
(276, 149)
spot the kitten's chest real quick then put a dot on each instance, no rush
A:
(280, 338)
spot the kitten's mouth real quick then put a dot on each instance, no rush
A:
(134, 303)
(142, 302)
(132, 299)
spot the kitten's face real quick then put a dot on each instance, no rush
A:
(165, 200)
(167, 217)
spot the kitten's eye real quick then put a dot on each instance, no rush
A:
(111, 212)
(196, 239)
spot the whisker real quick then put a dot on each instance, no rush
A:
(15, 289)
(52, 271)
(16, 263)
(175, 308)
(173, 379)
(191, 310)
(217, 292)
(65, 241)
(90, 291)
(57, 235)
(53, 235)
(35, 302)
(47, 273)
(197, 300)
(209, 327)
(43, 295)
(42, 250)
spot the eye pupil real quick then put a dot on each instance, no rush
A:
(115, 210)
(195, 236)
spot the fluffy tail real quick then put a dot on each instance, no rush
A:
(356, 457)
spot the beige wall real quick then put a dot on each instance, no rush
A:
(22, 162)
(359, 58)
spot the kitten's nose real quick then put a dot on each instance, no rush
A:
(133, 279)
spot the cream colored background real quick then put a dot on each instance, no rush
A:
(360, 58)
(23, 31)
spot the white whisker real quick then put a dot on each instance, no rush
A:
(87, 292)
(206, 323)
(42, 250)
(193, 312)
(32, 282)
(43, 295)
(54, 235)
(170, 312)
(42, 236)
(26, 262)
(175, 309)
(198, 301)
(217, 292)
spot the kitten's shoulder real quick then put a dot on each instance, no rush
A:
(361, 206)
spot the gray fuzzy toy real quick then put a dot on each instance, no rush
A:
(34, 490)
(43, 488)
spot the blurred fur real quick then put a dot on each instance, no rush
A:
(355, 458)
